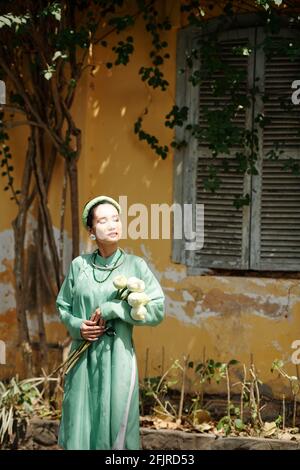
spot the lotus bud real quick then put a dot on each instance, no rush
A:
(138, 313)
(120, 282)
(135, 285)
(137, 298)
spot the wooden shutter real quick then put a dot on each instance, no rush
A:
(279, 220)
(226, 241)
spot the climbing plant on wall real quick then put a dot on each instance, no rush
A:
(221, 132)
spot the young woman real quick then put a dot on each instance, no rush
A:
(101, 397)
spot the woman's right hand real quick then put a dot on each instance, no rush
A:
(92, 329)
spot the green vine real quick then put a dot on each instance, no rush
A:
(152, 141)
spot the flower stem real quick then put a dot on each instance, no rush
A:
(76, 356)
(69, 358)
(121, 292)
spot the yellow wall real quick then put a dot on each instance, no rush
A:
(228, 317)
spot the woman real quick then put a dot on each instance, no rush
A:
(101, 397)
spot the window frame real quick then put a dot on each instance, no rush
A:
(185, 159)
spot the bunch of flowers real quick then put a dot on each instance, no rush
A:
(132, 290)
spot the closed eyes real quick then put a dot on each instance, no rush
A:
(104, 219)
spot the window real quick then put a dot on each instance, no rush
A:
(265, 235)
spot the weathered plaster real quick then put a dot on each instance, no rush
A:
(7, 296)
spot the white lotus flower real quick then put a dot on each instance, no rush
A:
(135, 285)
(137, 298)
(120, 282)
(138, 313)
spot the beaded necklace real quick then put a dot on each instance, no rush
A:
(107, 268)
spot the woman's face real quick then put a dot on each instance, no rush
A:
(107, 225)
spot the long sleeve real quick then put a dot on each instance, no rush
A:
(64, 305)
(155, 308)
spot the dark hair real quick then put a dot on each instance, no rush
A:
(89, 219)
(90, 216)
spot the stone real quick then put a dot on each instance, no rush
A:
(45, 432)
(41, 434)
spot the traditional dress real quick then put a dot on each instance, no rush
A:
(101, 396)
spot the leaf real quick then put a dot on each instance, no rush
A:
(56, 55)
(48, 75)
(238, 423)
(6, 422)
(4, 21)
(233, 362)
(269, 428)
(72, 83)
(55, 10)
(277, 364)
(9, 20)
(223, 421)
(162, 423)
(203, 427)
(49, 72)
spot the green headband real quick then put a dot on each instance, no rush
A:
(97, 200)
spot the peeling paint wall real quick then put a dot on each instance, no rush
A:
(227, 317)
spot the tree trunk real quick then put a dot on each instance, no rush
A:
(73, 178)
(62, 217)
(19, 227)
(43, 363)
(46, 216)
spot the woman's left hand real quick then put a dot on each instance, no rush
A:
(93, 328)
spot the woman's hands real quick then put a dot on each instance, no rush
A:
(92, 329)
